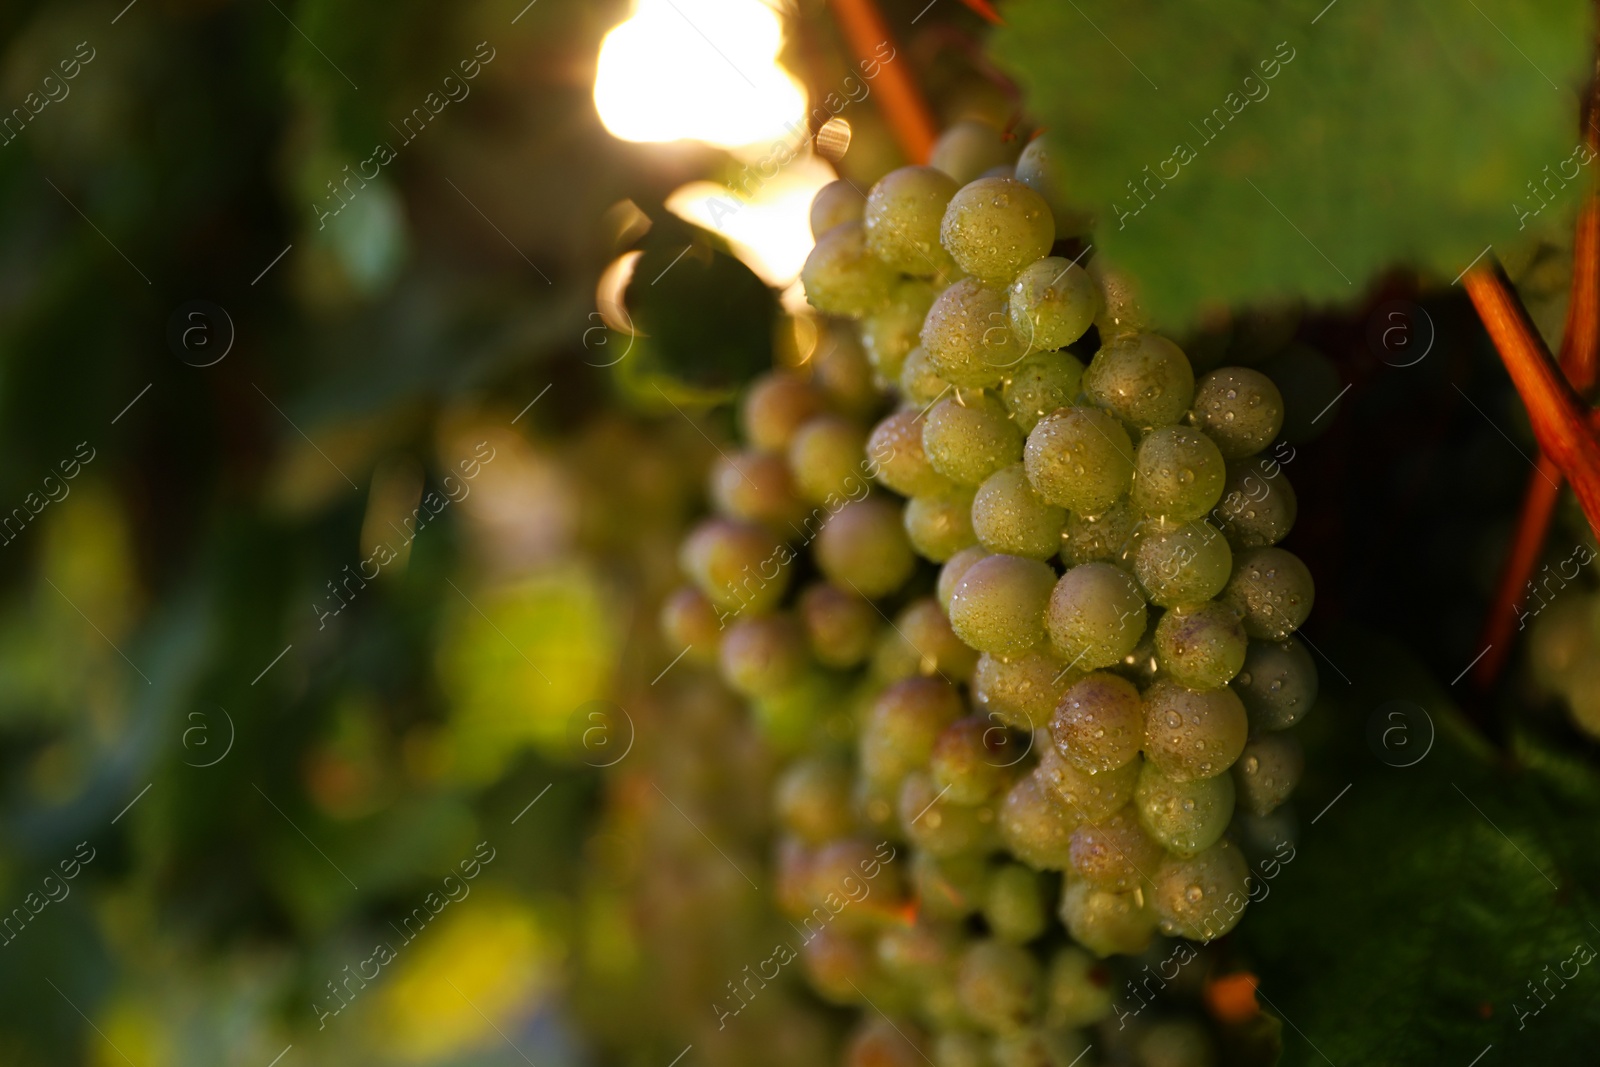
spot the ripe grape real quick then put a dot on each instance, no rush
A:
(902, 725)
(967, 149)
(1080, 459)
(842, 278)
(1040, 169)
(967, 763)
(1202, 646)
(837, 202)
(1178, 474)
(895, 446)
(1192, 733)
(922, 642)
(1144, 378)
(1105, 536)
(755, 486)
(993, 227)
(1088, 796)
(919, 380)
(1240, 409)
(967, 335)
(892, 331)
(1105, 921)
(950, 888)
(1052, 302)
(825, 456)
(902, 217)
(737, 565)
(969, 436)
(1185, 816)
(939, 826)
(878, 1042)
(1256, 510)
(1039, 385)
(1202, 897)
(1015, 909)
(1267, 771)
(940, 524)
(1035, 825)
(840, 626)
(1000, 984)
(762, 655)
(1115, 852)
(1271, 589)
(1096, 615)
(1121, 313)
(1099, 724)
(1182, 564)
(1277, 684)
(953, 569)
(863, 547)
(998, 605)
(1077, 989)
(1022, 690)
(1009, 517)
(813, 800)
(776, 406)
(688, 617)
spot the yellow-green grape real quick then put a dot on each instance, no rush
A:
(1240, 409)
(994, 227)
(998, 605)
(1184, 816)
(1077, 989)
(878, 1042)
(940, 524)
(789, 718)
(1272, 591)
(1185, 564)
(862, 547)
(920, 383)
(1121, 312)
(1256, 510)
(953, 569)
(826, 456)
(1001, 985)
(1178, 474)
(1042, 383)
(894, 451)
(940, 1004)
(739, 566)
(1080, 459)
(961, 1048)
(922, 642)
(1267, 771)
(967, 335)
(950, 888)
(1099, 724)
(1174, 1043)
(1106, 922)
(775, 406)
(1096, 615)
(755, 486)
(901, 727)
(1201, 646)
(1087, 796)
(689, 618)
(1201, 897)
(1277, 684)
(1022, 690)
(968, 148)
(902, 219)
(891, 332)
(842, 278)
(938, 825)
(1115, 853)
(840, 626)
(1144, 378)
(1035, 825)
(1015, 910)
(813, 800)
(847, 866)
(1041, 168)
(968, 761)
(838, 967)
(1192, 733)
(1105, 536)
(1563, 635)
(837, 202)
(969, 436)
(841, 370)
(762, 655)
(1009, 517)
(1052, 302)
(915, 952)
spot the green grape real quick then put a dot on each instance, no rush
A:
(842, 278)
(968, 148)
(1001, 985)
(1202, 897)
(922, 642)
(961, 1048)
(891, 332)
(920, 383)
(1144, 378)
(968, 761)
(950, 888)
(775, 406)
(1041, 168)
(1277, 684)
(940, 1004)
(878, 1042)
(1096, 615)
(1015, 909)
(967, 335)
(1041, 384)
(1022, 690)
(1176, 1043)
(998, 605)
(737, 565)
(838, 967)
(1202, 646)
(1039, 1047)
(1182, 564)
(1272, 591)
(826, 457)
(1121, 312)
(1089, 797)
(1192, 733)
(1257, 510)
(953, 569)
(763, 655)
(1077, 989)
(1240, 409)
(903, 213)
(969, 436)
(789, 718)
(837, 202)
(1308, 382)
(1104, 921)
(1035, 825)
(1009, 517)
(1099, 724)
(901, 727)
(1267, 771)
(813, 800)
(1178, 474)
(993, 227)
(689, 618)
(1116, 852)
(860, 887)
(940, 524)
(862, 547)
(1563, 635)
(840, 626)
(1052, 302)
(755, 486)
(1080, 459)
(895, 448)
(1184, 816)
(917, 952)
(1105, 536)
(843, 373)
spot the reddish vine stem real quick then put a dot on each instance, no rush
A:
(899, 96)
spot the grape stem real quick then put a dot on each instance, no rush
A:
(899, 97)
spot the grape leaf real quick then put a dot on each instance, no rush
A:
(1238, 151)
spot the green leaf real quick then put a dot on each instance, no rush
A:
(1302, 148)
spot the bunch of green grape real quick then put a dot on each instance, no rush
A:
(1062, 736)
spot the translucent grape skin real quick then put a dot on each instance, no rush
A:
(1240, 409)
(939, 826)
(1099, 724)
(842, 278)
(837, 202)
(762, 655)
(1106, 536)
(1096, 615)
(993, 227)
(755, 486)
(826, 458)
(953, 569)
(1186, 817)
(998, 605)
(902, 726)
(1104, 921)
(1277, 684)
(919, 380)
(775, 406)
(1080, 459)
(1255, 510)
(863, 547)
(1121, 313)
(689, 618)
(1267, 771)
(1144, 378)
(1272, 590)
(968, 148)
(812, 800)
(1040, 169)
(1182, 564)
(968, 761)
(1022, 690)
(1041, 384)
(1036, 826)
(1192, 733)
(1015, 909)
(1202, 646)
(967, 335)
(895, 445)
(1052, 302)
(1009, 517)
(969, 436)
(902, 217)
(921, 641)
(889, 333)
(940, 524)
(739, 566)
(950, 888)
(1203, 896)
(840, 626)
(1000, 984)
(1077, 989)
(1087, 796)
(1178, 474)
(1116, 853)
